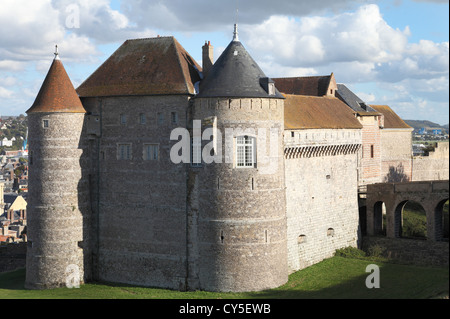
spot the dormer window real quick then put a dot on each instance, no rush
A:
(268, 85)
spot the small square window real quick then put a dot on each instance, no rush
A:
(330, 232)
(123, 119)
(124, 151)
(174, 117)
(151, 152)
(301, 239)
(45, 123)
(160, 118)
(142, 119)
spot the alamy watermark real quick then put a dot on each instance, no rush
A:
(248, 147)
(73, 276)
(72, 16)
(373, 280)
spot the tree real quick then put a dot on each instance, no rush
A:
(396, 175)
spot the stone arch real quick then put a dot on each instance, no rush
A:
(379, 210)
(410, 223)
(441, 221)
(398, 219)
(363, 220)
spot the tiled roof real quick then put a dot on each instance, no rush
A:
(391, 119)
(308, 112)
(57, 93)
(153, 66)
(308, 85)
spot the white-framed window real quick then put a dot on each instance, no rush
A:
(151, 152)
(142, 119)
(196, 152)
(245, 151)
(123, 151)
(45, 123)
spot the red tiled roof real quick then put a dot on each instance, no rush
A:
(391, 119)
(309, 112)
(153, 66)
(57, 93)
(308, 85)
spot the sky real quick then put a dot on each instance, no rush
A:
(388, 52)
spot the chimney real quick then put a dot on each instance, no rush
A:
(208, 58)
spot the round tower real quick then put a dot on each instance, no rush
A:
(58, 199)
(237, 193)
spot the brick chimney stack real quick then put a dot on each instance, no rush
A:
(208, 58)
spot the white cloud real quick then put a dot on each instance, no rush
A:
(361, 36)
(201, 15)
(8, 81)
(33, 29)
(5, 93)
(97, 20)
(366, 97)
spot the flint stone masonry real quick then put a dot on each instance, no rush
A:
(417, 252)
(321, 197)
(140, 205)
(238, 213)
(12, 256)
(99, 202)
(55, 227)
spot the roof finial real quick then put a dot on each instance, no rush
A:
(236, 33)
(56, 53)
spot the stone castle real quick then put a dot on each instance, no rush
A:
(267, 183)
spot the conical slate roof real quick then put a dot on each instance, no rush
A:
(235, 74)
(57, 93)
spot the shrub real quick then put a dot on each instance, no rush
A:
(350, 252)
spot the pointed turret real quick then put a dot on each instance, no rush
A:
(57, 93)
(239, 246)
(236, 74)
(57, 209)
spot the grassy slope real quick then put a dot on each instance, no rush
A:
(334, 278)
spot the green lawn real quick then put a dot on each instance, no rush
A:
(334, 278)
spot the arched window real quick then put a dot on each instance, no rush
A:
(245, 151)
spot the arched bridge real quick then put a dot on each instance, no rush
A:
(432, 195)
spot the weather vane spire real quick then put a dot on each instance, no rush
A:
(236, 33)
(56, 53)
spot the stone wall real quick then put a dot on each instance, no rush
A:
(396, 155)
(58, 216)
(321, 196)
(432, 167)
(417, 252)
(237, 214)
(12, 256)
(139, 204)
(370, 154)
